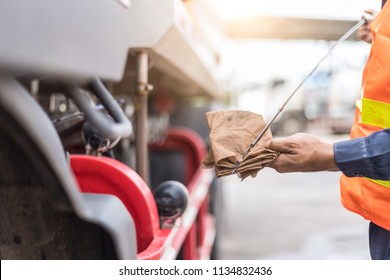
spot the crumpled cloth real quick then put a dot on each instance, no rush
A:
(231, 133)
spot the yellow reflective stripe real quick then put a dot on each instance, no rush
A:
(375, 113)
(385, 184)
(378, 114)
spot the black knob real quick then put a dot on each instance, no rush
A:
(171, 198)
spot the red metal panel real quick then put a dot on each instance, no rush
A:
(106, 175)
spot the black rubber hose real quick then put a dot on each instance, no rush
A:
(117, 126)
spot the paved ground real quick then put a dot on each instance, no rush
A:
(291, 217)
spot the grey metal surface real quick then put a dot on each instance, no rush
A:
(70, 38)
(109, 212)
(94, 209)
(165, 29)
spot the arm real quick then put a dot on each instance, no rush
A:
(368, 157)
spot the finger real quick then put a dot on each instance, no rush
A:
(371, 11)
(364, 28)
(278, 145)
(279, 164)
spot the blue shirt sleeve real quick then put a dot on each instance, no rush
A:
(365, 157)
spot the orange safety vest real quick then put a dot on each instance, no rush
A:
(371, 198)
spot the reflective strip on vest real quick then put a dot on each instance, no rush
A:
(378, 114)
(380, 182)
(375, 113)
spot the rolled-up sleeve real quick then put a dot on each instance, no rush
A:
(365, 157)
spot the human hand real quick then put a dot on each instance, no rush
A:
(364, 32)
(302, 152)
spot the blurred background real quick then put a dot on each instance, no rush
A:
(267, 49)
(167, 63)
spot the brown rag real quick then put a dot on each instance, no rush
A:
(231, 133)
